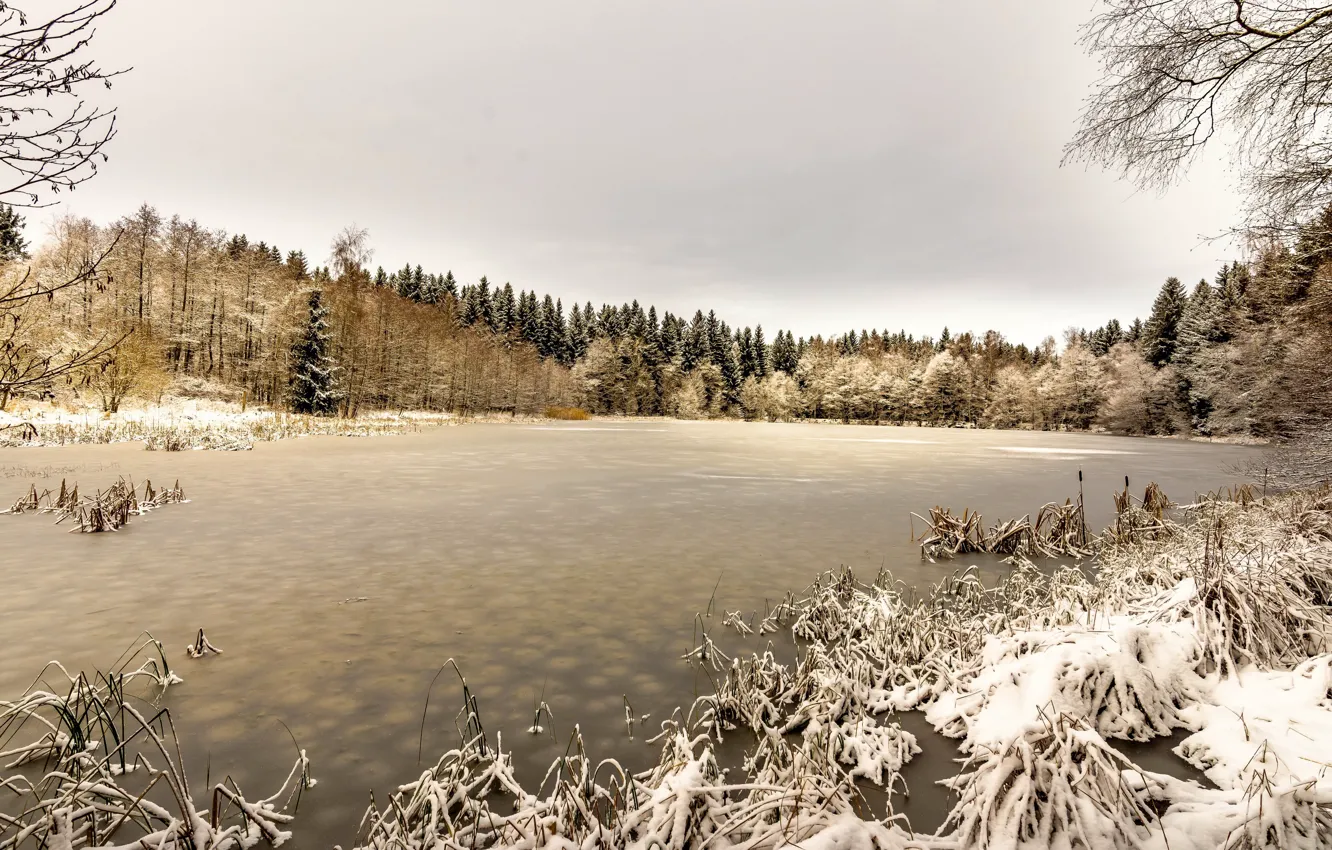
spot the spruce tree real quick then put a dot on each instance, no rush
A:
(13, 246)
(760, 353)
(728, 360)
(418, 284)
(748, 363)
(312, 369)
(559, 333)
(656, 353)
(670, 337)
(297, 266)
(1161, 332)
(449, 286)
(506, 309)
(381, 278)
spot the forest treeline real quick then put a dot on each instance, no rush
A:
(201, 312)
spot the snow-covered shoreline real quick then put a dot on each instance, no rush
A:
(1219, 625)
(195, 424)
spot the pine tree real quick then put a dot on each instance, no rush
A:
(13, 246)
(656, 353)
(297, 265)
(732, 380)
(760, 353)
(312, 370)
(418, 290)
(1160, 333)
(784, 356)
(381, 278)
(671, 337)
(472, 311)
(506, 309)
(559, 333)
(449, 286)
(748, 364)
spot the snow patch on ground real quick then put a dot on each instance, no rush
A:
(1043, 450)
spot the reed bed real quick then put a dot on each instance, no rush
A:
(104, 511)
(91, 760)
(1034, 676)
(1059, 530)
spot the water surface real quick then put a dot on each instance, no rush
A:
(566, 557)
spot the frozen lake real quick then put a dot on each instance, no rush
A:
(572, 557)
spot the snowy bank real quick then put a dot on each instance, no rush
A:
(1220, 626)
(189, 424)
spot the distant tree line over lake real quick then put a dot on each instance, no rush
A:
(204, 312)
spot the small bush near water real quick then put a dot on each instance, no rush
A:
(576, 414)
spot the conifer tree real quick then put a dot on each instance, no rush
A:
(670, 337)
(559, 332)
(418, 289)
(1161, 331)
(381, 278)
(591, 323)
(449, 286)
(13, 246)
(760, 353)
(718, 339)
(297, 265)
(732, 380)
(312, 369)
(656, 354)
(506, 309)
(748, 363)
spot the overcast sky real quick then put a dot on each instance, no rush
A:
(807, 165)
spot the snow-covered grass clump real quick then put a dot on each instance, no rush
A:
(92, 761)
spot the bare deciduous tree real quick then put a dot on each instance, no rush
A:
(50, 138)
(27, 361)
(1177, 72)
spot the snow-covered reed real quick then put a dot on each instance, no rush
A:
(93, 762)
(104, 511)
(1058, 530)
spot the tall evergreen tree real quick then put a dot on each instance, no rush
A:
(448, 286)
(13, 246)
(381, 278)
(297, 265)
(1160, 333)
(670, 337)
(761, 368)
(506, 309)
(748, 362)
(312, 369)
(728, 360)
